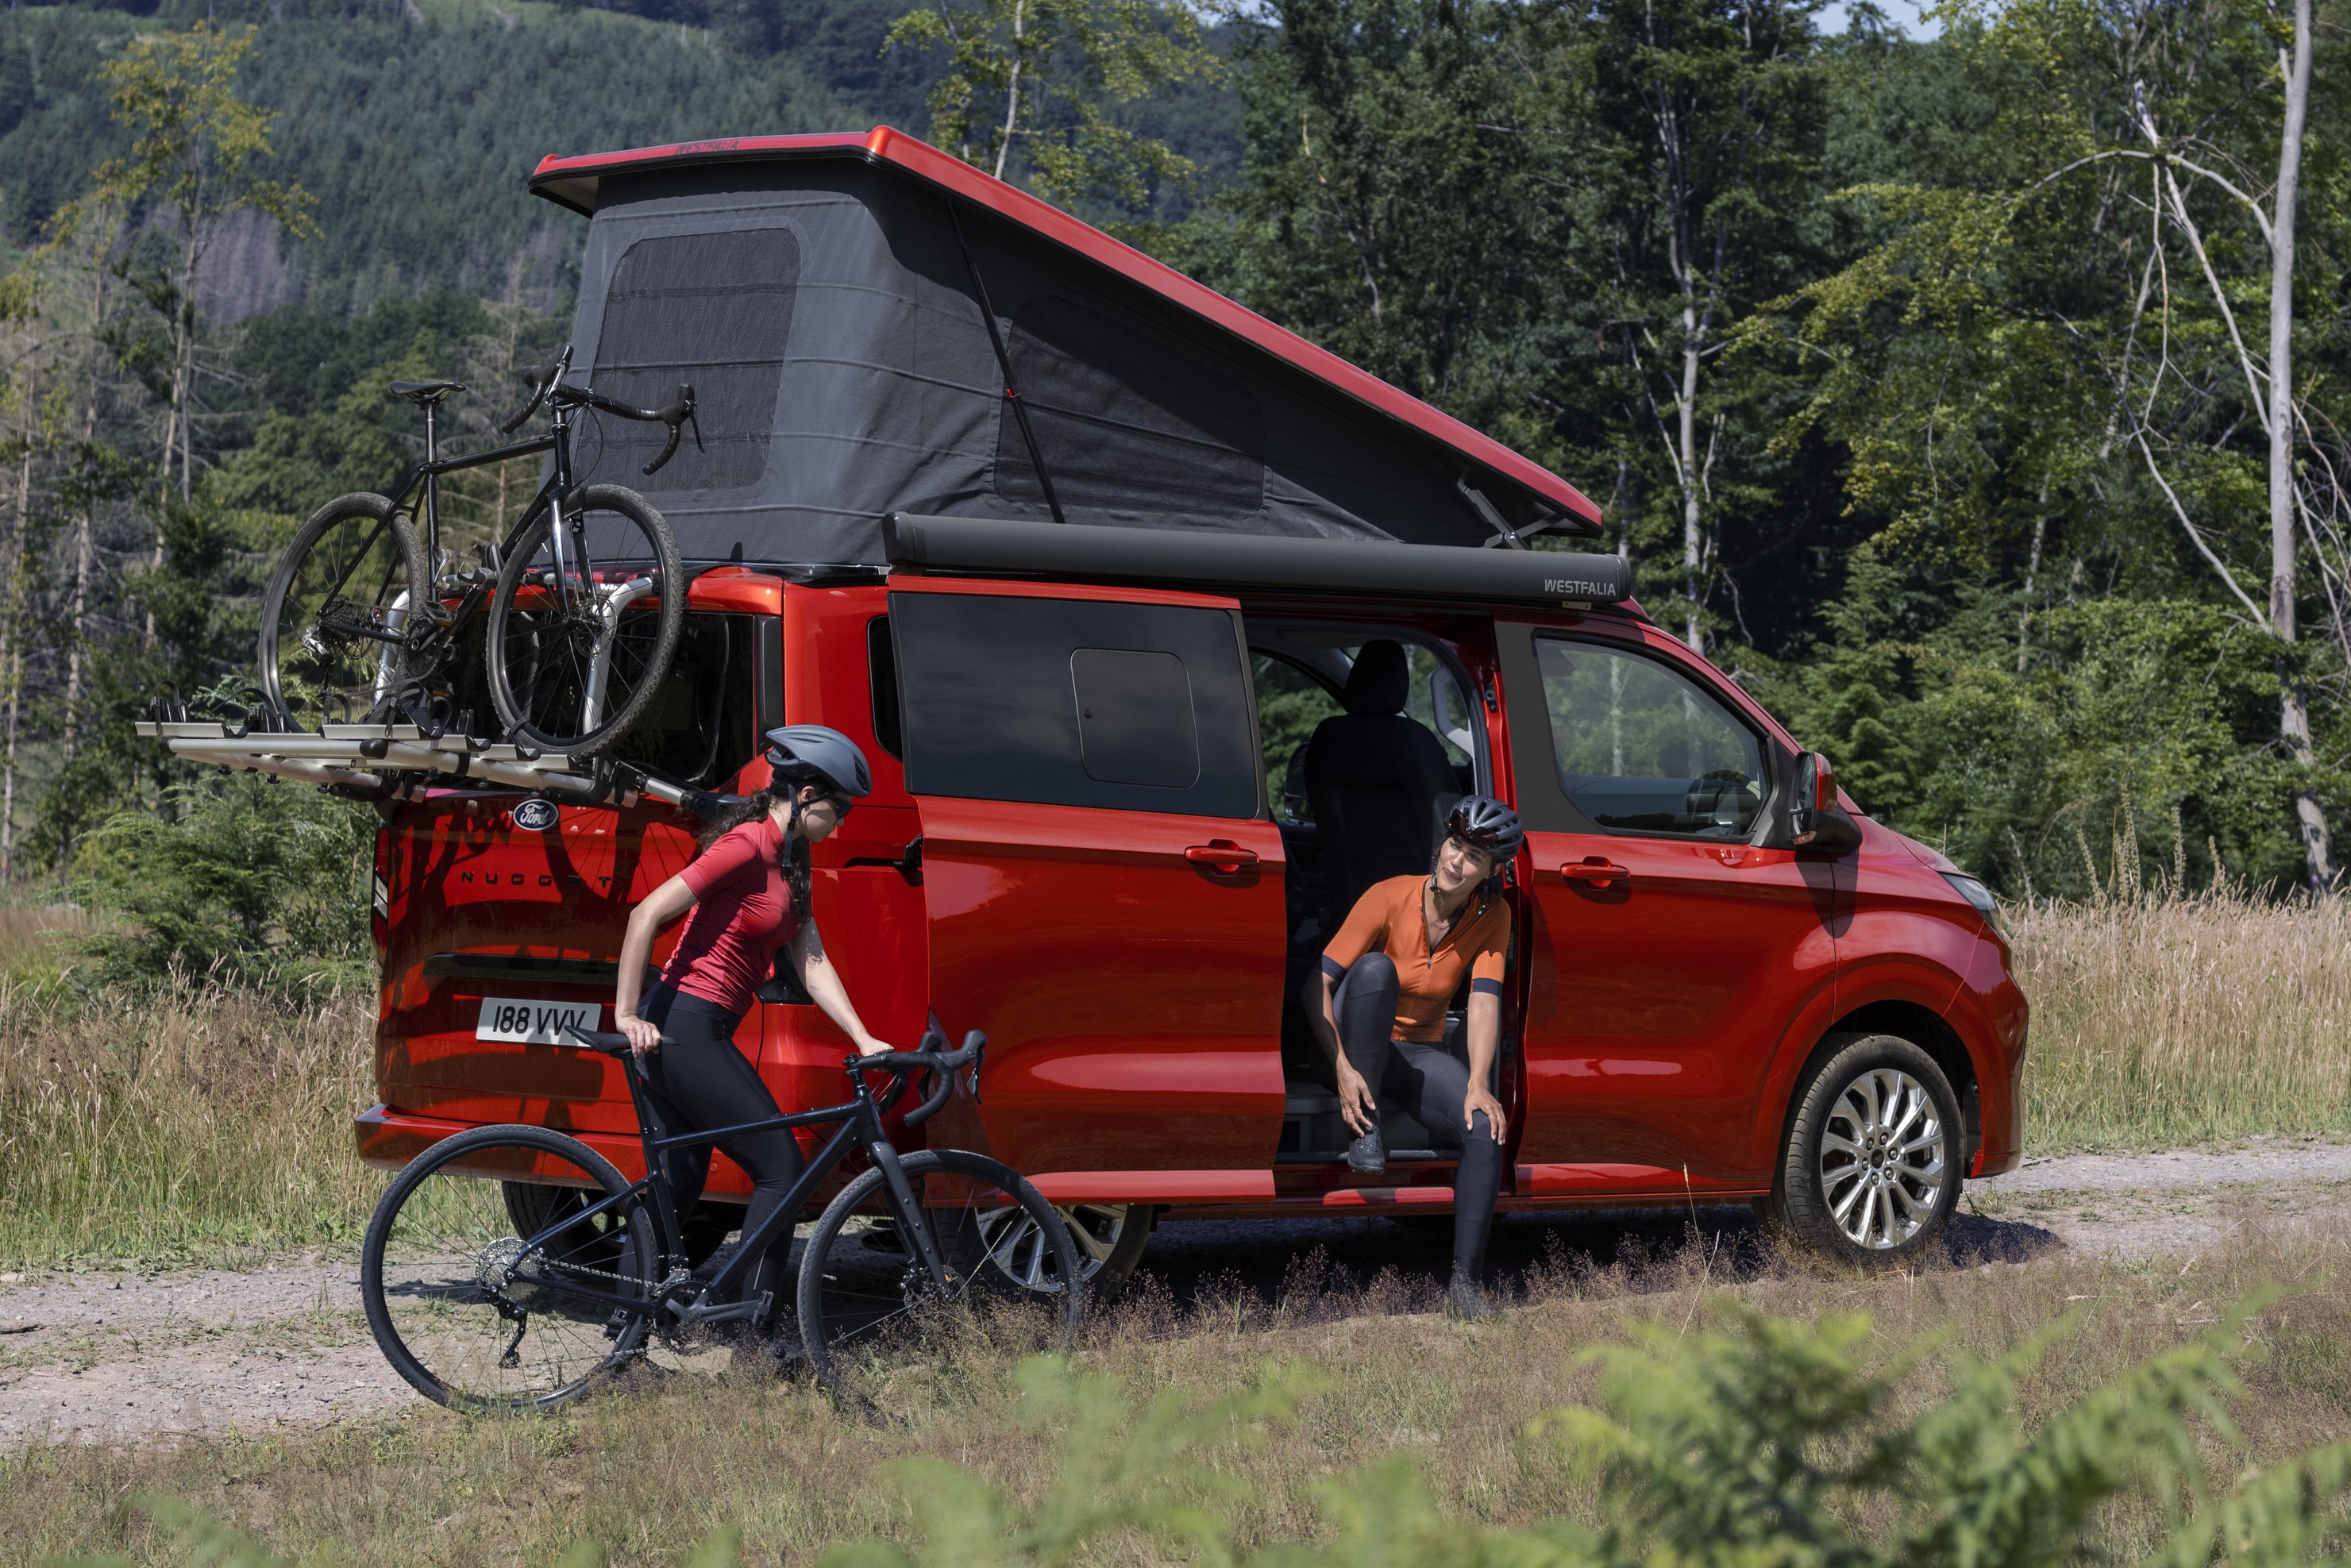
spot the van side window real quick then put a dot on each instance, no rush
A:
(1640, 747)
(881, 665)
(1068, 702)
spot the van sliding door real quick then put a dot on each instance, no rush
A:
(1104, 883)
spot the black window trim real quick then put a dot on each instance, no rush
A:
(1544, 803)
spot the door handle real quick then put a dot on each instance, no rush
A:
(1596, 870)
(1222, 855)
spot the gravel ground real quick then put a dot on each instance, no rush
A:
(116, 1357)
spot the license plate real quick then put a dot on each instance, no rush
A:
(526, 1022)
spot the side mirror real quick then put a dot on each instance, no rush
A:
(1817, 821)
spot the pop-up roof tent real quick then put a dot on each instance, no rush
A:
(823, 294)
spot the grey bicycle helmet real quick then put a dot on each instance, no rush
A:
(818, 753)
(1483, 822)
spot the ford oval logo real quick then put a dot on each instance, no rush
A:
(536, 816)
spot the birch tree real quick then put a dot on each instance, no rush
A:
(1029, 83)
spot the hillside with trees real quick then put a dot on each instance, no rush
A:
(1977, 402)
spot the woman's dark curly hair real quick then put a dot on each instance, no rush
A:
(750, 809)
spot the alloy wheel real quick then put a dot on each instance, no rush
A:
(1017, 1245)
(1882, 1158)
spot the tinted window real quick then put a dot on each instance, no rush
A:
(1117, 413)
(882, 664)
(1135, 718)
(711, 310)
(698, 730)
(1641, 748)
(1139, 707)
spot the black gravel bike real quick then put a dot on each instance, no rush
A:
(523, 1291)
(585, 597)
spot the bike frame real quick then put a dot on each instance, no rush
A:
(861, 1121)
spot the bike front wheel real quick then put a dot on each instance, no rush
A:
(335, 620)
(880, 1333)
(584, 620)
(492, 1279)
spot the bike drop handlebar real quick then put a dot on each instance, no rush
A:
(539, 391)
(944, 1063)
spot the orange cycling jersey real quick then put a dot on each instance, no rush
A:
(1388, 917)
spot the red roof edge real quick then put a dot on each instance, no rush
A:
(571, 182)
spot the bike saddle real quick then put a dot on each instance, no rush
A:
(424, 394)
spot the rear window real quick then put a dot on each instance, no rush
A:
(699, 729)
(1137, 707)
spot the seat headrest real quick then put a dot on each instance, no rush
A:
(1378, 680)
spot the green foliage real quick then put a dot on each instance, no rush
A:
(247, 881)
(1040, 78)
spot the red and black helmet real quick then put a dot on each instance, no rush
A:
(1485, 824)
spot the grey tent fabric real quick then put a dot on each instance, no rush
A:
(825, 313)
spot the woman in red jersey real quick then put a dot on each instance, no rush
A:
(749, 891)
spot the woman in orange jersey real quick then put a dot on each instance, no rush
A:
(1378, 1007)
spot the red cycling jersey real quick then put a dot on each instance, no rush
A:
(742, 919)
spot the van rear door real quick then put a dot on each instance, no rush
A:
(1102, 880)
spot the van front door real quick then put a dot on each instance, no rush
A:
(1667, 954)
(1104, 882)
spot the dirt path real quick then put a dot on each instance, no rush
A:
(123, 1356)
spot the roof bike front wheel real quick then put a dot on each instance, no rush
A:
(881, 1334)
(584, 620)
(335, 620)
(490, 1286)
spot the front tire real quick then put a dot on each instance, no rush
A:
(1870, 1171)
(877, 1333)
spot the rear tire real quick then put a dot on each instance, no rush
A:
(875, 1332)
(335, 619)
(467, 1315)
(544, 629)
(1870, 1171)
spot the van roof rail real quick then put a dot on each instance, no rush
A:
(1207, 558)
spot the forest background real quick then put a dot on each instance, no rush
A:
(1979, 401)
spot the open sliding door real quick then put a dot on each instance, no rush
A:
(1104, 886)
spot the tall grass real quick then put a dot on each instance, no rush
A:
(195, 1125)
(648, 1472)
(2165, 1021)
(199, 1122)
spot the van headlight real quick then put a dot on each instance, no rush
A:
(1980, 895)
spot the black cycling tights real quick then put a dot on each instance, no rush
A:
(1433, 1086)
(699, 1080)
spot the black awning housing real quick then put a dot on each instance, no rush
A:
(1200, 558)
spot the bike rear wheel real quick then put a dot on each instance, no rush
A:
(468, 1311)
(879, 1335)
(584, 620)
(335, 620)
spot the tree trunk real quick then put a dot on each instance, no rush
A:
(12, 653)
(1693, 521)
(1012, 87)
(2294, 708)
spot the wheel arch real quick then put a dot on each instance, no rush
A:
(1923, 1027)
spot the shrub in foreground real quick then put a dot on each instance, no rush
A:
(1764, 1442)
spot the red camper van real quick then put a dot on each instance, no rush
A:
(1087, 635)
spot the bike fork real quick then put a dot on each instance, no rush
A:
(914, 1220)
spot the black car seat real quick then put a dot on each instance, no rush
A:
(1379, 782)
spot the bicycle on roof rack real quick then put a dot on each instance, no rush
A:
(524, 1290)
(584, 598)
